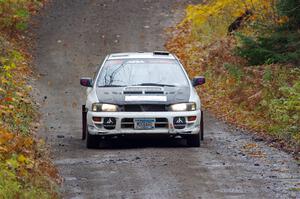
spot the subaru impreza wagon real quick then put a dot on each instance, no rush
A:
(142, 94)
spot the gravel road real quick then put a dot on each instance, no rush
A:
(72, 38)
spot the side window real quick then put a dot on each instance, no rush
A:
(96, 72)
(97, 68)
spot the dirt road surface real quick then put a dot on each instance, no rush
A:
(72, 38)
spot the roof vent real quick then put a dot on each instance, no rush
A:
(161, 53)
(120, 55)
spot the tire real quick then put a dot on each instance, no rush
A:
(193, 140)
(84, 122)
(92, 141)
(202, 126)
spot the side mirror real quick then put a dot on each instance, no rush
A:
(86, 82)
(198, 80)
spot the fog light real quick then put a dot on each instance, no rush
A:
(192, 118)
(179, 122)
(109, 123)
(97, 119)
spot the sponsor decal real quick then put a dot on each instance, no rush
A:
(146, 98)
(179, 121)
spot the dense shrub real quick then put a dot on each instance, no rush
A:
(16, 109)
(264, 97)
(209, 21)
(282, 45)
(285, 111)
(291, 9)
(25, 171)
(14, 14)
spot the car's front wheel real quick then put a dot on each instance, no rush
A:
(92, 141)
(193, 140)
(202, 126)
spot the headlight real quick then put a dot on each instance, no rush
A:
(183, 107)
(96, 107)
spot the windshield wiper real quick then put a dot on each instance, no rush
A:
(112, 85)
(154, 84)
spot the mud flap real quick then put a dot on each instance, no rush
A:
(84, 122)
(202, 127)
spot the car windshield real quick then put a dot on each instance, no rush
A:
(142, 72)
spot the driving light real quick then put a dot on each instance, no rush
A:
(97, 119)
(183, 107)
(96, 107)
(192, 118)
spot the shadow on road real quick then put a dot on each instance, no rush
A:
(142, 142)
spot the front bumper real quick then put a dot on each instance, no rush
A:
(97, 128)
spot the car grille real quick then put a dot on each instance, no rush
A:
(143, 108)
(128, 123)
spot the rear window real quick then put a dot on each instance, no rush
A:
(129, 72)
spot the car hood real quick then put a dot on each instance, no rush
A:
(143, 95)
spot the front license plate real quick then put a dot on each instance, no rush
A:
(144, 123)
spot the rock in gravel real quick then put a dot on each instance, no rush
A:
(257, 139)
(60, 136)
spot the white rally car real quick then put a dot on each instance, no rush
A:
(142, 93)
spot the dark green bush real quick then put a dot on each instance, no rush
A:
(280, 46)
(291, 9)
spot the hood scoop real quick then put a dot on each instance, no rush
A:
(154, 92)
(132, 92)
(136, 90)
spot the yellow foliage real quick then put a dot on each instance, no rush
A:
(22, 159)
(5, 137)
(211, 20)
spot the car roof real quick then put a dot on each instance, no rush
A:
(142, 55)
